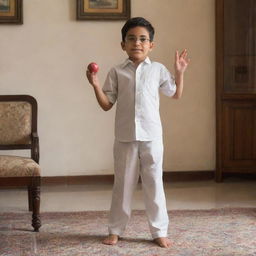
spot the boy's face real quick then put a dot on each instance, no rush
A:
(137, 44)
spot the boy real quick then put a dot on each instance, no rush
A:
(135, 85)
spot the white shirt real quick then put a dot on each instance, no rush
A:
(136, 91)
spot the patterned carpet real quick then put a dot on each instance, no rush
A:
(218, 232)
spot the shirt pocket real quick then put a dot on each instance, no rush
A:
(151, 86)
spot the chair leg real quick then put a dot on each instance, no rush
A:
(36, 220)
(30, 206)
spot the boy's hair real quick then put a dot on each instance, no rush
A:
(138, 22)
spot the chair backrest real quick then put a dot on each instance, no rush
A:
(18, 120)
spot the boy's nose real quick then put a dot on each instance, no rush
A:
(137, 41)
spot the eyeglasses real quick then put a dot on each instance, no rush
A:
(133, 39)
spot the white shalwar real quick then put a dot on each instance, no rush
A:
(138, 147)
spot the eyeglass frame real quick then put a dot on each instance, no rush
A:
(134, 39)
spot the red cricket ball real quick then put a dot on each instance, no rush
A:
(93, 67)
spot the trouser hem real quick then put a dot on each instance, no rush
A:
(159, 234)
(115, 232)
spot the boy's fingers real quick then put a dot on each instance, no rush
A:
(90, 74)
(183, 53)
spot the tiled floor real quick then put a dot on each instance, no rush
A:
(180, 195)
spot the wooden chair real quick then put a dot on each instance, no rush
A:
(18, 130)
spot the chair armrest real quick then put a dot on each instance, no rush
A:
(35, 147)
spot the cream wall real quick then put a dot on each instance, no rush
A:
(47, 55)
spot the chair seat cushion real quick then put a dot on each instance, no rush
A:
(16, 166)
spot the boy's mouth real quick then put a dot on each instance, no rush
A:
(136, 50)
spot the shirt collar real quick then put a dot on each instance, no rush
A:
(128, 61)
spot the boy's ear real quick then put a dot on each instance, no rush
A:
(123, 45)
(152, 45)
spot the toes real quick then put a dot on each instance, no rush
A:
(165, 245)
(163, 242)
(168, 245)
(110, 240)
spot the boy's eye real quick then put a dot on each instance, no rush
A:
(142, 40)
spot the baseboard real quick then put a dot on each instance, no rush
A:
(109, 179)
(76, 180)
(188, 176)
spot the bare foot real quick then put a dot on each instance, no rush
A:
(110, 240)
(163, 242)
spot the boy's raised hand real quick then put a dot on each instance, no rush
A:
(181, 61)
(100, 95)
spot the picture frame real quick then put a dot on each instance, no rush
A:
(11, 12)
(103, 9)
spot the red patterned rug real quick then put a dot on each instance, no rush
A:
(217, 232)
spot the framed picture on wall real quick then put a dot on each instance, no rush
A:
(11, 12)
(103, 9)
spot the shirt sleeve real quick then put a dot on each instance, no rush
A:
(167, 82)
(110, 86)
